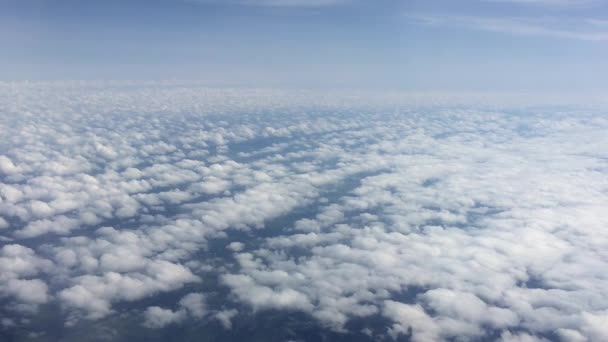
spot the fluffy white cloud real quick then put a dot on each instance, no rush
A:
(94, 294)
(27, 290)
(19, 266)
(3, 223)
(157, 317)
(225, 317)
(264, 297)
(411, 318)
(6, 166)
(194, 303)
(279, 3)
(191, 305)
(440, 221)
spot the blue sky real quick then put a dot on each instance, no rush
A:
(543, 45)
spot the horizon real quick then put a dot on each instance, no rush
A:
(503, 45)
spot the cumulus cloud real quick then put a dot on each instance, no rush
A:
(225, 317)
(264, 297)
(194, 303)
(6, 166)
(411, 318)
(157, 317)
(191, 305)
(435, 221)
(3, 223)
(21, 278)
(94, 294)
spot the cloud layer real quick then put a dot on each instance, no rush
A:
(174, 204)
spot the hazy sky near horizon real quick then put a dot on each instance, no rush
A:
(512, 45)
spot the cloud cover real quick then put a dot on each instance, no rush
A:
(441, 221)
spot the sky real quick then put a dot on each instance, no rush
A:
(464, 45)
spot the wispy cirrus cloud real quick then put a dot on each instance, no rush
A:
(278, 3)
(293, 3)
(550, 3)
(587, 29)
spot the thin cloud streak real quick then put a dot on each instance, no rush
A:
(584, 29)
(550, 3)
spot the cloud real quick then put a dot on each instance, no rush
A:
(507, 336)
(550, 3)
(264, 297)
(463, 313)
(194, 303)
(437, 216)
(157, 317)
(18, 267)
(95, 294)
(191, 305)
(225, 317)
(28, 290)
(3, 223)
(6, 166)
(411, 318)
(576, 29)
(295, 3)
(466, 229)
(280, 3)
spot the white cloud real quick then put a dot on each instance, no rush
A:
(3, 223)
(28, 290)
(225, 317)
(582, 29)
(550, 3)
(594, 326)
(157, 317)
(236, 246)
(411, 317)
(18, 266)
(507, 336)
(95, 294)
(264, 297)
(194, 303)
(280, 3)
(6, 166)
(449, 222)
(191, 305)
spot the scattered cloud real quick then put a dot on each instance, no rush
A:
(438, 217)
(192, 305)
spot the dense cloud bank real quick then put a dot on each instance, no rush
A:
(169, 205)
